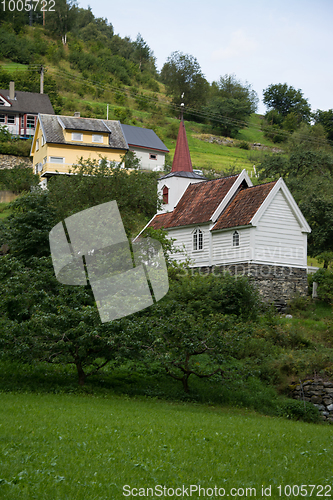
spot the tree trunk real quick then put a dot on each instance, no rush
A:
(185, 383)
(80, 372)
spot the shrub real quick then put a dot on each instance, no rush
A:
(244, 145)
(324, 278)
(298, 410)
(123, 114)
(222, 294)
(18, 179)
(4, 134)
(16, 147)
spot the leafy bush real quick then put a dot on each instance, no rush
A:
(244, 145)
(123, 114)
(223, 294)
(18, 179)
(4, 134)
(298, 410)
(16, 49)
(299, 303)
(324, 278)
(16, 147)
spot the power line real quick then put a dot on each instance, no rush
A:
(226, 120)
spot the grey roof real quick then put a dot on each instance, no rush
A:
(28, 102)
(190, 175)
(84, 124)
(53, 131)
(143, 138)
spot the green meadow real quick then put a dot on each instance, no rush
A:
(59, 447)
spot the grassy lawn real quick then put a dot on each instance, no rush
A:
(218, 157)
(84, 447)
(12, 66)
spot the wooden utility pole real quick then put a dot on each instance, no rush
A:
(42, 80)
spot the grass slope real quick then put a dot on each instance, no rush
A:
(78, 447)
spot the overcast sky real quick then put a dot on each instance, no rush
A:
(260, 41)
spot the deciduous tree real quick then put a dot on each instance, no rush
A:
(325, 118)
(231, 104)
(285, 99)
(182, 74)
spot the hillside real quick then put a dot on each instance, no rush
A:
(121, 91)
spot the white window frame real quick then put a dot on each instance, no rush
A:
(235, 239)
(197, 240)
(2, 118)
(37, 144)
(12, 117)
(30, 118)
(42, 140)
(97, 138)
(75, 136)
(53, 159)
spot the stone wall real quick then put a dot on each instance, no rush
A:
(9, 161)
(318, 392)
(276, 284)
(7, 196)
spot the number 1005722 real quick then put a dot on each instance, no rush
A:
(27, 5)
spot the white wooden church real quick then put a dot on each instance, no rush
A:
(229, 224)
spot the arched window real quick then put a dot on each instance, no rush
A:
(197, 240)
(165, 195)
(235, 239)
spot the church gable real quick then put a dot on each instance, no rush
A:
(242, 208)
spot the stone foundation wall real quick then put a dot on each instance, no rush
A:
(318, 392)
(9, 161)
(7, 196)
(276, 284)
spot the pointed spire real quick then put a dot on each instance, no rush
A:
(182, 159)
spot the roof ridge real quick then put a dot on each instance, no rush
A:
(260, 185)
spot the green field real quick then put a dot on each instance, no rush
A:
(12, 66)
(82, 447)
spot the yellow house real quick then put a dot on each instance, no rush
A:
(60, 141)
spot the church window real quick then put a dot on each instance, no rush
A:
(235, 239)
(165, 195)
(197, 240)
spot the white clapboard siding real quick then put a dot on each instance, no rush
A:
(223, 250)
(278, 236)
(184, 241)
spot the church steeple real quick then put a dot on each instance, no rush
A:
(171, 187)
(182, 158)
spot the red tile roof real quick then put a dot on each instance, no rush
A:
(182, 159)
(243, 206)
(160, 220)
(197, 205)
